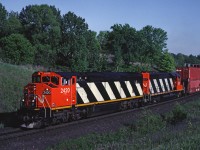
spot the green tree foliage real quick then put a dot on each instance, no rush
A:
(74, 48)
(93, 46)
(122, 43)
(181, 59)
(135, 47)
(192, 60)
(105, 55)
(3, 15)
(66, 41)
(41, 25)
(102, 38)
(17, 49)
(198, 57)
(155, 42)
(12, 24)
(166, 63)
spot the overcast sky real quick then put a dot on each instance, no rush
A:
(179, 18)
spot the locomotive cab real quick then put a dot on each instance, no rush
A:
(47, 92)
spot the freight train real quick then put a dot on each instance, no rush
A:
(55, 97)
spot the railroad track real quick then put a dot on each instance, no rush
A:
(9, 131)
(15, 133)
(21, 133)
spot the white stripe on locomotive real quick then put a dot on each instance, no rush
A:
(109, 90)
(162, 85)
(172, 84)
(120, 90)
(151, 88)
(167, 84)
(82, 93)
(129, 87)
(139, 88)
(156, 85)
(95, 91)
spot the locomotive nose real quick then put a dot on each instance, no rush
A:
(29, 96)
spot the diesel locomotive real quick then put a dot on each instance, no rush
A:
(54, 97)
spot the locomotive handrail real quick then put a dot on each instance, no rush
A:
(42, 101)
(48, 105)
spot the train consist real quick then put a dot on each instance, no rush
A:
(55, 97)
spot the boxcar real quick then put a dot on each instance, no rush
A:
(190, 75)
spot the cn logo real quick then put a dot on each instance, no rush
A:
(65, 90)
(145, 85)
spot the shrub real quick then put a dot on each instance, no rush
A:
(178, 114)
(16, 49)
(149, 123)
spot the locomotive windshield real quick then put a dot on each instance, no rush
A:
(46, 79)
(36, 79)
(55, 80)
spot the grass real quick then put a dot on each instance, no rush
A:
(178, 129)
(12, 80)
(1, 125)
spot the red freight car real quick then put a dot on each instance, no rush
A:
(190, 75)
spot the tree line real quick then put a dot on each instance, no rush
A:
(40, 35)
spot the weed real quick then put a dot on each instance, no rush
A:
(1, 125)
(149, 123)
(12, 80)
(178, 114)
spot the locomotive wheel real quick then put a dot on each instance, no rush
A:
(65, 117)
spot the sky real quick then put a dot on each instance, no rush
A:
(179, 18)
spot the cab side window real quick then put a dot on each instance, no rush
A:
(65, 81)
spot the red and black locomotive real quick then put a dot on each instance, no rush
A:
(54, 97)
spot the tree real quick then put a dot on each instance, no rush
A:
(12, 24)
(180, 60)
(155, 39)
(17, 49)
(105, 54)
(3, 15)
(41, 24)
(93, 46)
(192, 60)
(73, 51)
(166, 62)
(123, 44)
(102, 38)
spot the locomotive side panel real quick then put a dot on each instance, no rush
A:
(161, 83)
(89, 92)
(111, 86)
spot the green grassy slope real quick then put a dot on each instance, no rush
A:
(12, 80)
